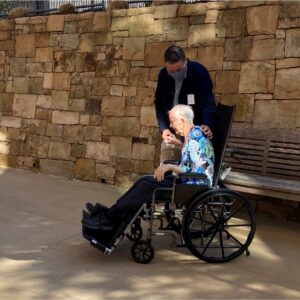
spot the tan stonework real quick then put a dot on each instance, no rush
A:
(24, 106)
(262, 20)
(98, 151)
(166, 11)
(59, 150)
(65, 117)
(61, 81)
(287, 84)
(144, 96)
(148, 116)
(120, 147)
(227, 82)
(77, 91)
(276, 114)
(134, 48)
(211, 57)
(55, 23)
(292, 47)
(10, 122)
(119, 23)
(141, 25)
(202, 35)
(121, 126)
(265, 49)
(25, 45)
(113, 106)
(175, 29)
(244, 106)
(86, 43)
(191, 9)
(84, 169)
(101, 22)
(230, 23)
(257, 77)
(143, 151)
(44, 55)
(73, 134)
(105, 172)
(59, 100)
(154, 53)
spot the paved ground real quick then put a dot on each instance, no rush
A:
(43, 255)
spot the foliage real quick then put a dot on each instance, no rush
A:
(4, 6)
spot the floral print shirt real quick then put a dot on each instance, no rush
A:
(198, 156)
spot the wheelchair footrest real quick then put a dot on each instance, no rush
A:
(105, 249)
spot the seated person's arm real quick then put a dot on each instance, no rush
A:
(160, 172)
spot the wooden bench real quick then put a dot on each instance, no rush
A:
(268, 163)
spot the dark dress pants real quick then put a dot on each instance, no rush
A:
(140, 193)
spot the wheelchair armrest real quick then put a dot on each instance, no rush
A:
(190, 176)
(171, 161)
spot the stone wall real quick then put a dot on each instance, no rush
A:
(77, 91)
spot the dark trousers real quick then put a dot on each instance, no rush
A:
(140, 193)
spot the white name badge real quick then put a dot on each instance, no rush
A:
(191, 99)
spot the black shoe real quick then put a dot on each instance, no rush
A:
(85, 215)
(94, 209)
(99, 222)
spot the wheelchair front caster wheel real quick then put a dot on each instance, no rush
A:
(136, 233)
(142, 252)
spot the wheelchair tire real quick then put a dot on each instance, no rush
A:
(219, 226)
(142, 252)
(136, 232)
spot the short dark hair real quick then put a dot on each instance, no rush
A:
(174, 54)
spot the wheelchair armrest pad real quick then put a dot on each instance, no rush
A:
(192, 175)
(172, 162)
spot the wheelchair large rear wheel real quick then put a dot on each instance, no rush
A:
(219, 226)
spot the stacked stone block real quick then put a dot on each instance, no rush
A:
(77, 91)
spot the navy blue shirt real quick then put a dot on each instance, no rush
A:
(197, 83)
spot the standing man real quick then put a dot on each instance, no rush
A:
(182, 81)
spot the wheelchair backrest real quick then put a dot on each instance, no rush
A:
(222, 126)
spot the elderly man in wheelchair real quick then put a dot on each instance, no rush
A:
(215, 224)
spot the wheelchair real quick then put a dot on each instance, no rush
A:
(216, 224)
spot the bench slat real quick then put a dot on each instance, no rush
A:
(241, 140)
(249, 168)
(285, 162)
(292, 157)
(262, 185)
(285, 145)
(293, 174)
(285, 150)
(259, 148)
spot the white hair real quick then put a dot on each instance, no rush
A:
(183, 111)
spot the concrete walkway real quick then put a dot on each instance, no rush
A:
(43, 255)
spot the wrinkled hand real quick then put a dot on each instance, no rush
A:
(170, 138)
(207, 131)
(159, 173)
(167, 135)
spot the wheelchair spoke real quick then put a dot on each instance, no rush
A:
(211, 211)
(233, 213)
(209, 242)
(234, 238)
(221, 243)
(239, 225)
